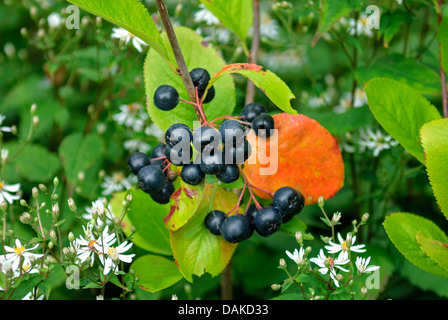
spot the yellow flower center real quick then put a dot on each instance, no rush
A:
(91, 245)
(344, 246)
(19, 250)
(1, 185)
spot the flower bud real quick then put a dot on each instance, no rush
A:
(299, 238)
(55, 181)
(71, 205)
(365, 217)
(276, 287)
(55, 211)
(26, 218)
(35, 193)
(23, 202)
(320, 201)
(71, 236)
(282, 264)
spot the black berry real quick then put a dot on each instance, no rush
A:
(178, 132)
(230, 174)
(288, 201)
(267, 221)
(236, 228)
(156, 153)
(200, 78)
(163, 196)
(232, 131)
(166, 98)
(214, 220)
(262, 125)
(151, 179)
(238, 154)
(252, 110)
(205, 136)
(136, 161)
(212, 163)
(251, 213)
(192, 174)
(210, 95)
(179, 155)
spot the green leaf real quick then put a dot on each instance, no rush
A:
(78, 153)
(268, 82)
(146, 216)
(155, 273)
(414, 73)
(236, 15)
(436, 250)
(294, 225)
(435, 143)
(402, 229)
(442, 38)
(130, 15)
(198, 54)
(195, 249)
(401, 111)
(44, 166)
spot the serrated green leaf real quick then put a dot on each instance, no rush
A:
(130, 15)
(195, 249)
(402, 229)
(436, 250)
(268, 82)
(435, 143)
(155, 273)
(401, 111)
(146, 216)
(198, 54)
(236, 15)
(296, 225)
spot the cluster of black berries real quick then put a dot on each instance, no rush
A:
(286, 203)
(166, 97)
(219, 152)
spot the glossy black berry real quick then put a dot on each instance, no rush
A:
(192, 174)
(236, 228)
(163, 196)
(178, 132)
(136, 161)
(212, 163)
(210, 95)
(178, 154)
(239, 154)
(267, 221)
(166, 98)
(200, 78)
(263, 124)
(156, 153)
(230, 174)
(288, 201)
(205, 136)
(251, 111)
(151, 179)
(214, 220)
(252, 212)
(232, 131)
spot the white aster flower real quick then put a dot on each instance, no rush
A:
(7, 192)
(375, 141)
(328, 264)
(347, 102)
(116, 183)
(111, 256)
(54, 20)
(360, 26)
(18, 252)
(296, 256)
(136, 145)
(86, 245)
(205, 15)
(99, 210)
(362, 264)
(344, 246)
(269, 28)
(126, 37)
(132, 116)
(4, 128)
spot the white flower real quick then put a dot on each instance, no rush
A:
(99, 210)
(205, 15)
(136, 145)
(111, 256)
(347, 102)
(360, 26)
(132, 116)
(4, 128)
(6, 192)
(375, 141)
(269, 28)
(125, 36)
(362, 265)
(54, 20)
(116, 183)
(343, 247)
(18, 252)
(328, 264)
(86, 245)
(296, 256)
(400, 1)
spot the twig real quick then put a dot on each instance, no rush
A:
(250, 91)
(442, 72)
(182, 69)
